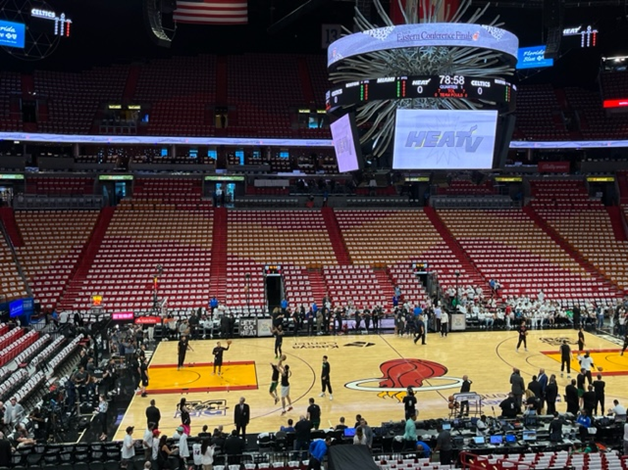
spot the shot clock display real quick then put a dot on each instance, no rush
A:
(491, 90)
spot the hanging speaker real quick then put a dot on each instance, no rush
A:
(553, 11)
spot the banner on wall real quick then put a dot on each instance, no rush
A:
(248, 328)
(559, 166)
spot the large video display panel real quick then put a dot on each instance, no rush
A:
(444, 139)
(345, 143)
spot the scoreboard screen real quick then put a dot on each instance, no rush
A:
(420, 267)
(272, 270)
(438, 86)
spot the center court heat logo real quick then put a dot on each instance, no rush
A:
(399, 374)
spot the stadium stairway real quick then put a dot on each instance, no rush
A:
(616, 219)
(91, 248)
(7, 216)
(336, 238)
(131, 83)
(317, 284)
(385, 282)
(566, 247)
(218, 274)
(221, 80)
(27, 82)
(456, 248)
(304, 78)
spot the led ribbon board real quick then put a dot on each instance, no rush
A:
(189, 140)
(425, 35)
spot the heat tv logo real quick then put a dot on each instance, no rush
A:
(454, 139)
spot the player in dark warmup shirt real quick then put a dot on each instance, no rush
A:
(522, 333)
(182, 347)
(566, 357)
(279, 338)
(581, 339)
(218, 356)
(410, 401)
(325, 377)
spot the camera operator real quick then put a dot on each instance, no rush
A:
(81, 380)
(39, 424)
(110, 375)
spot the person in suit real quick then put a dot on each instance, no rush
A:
(536, 389)
(153, 414)
(241, 417)
(465, 388)
(572, 398)
(517, 388)
(542, 379)
(551, 395)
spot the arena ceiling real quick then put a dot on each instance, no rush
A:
(109, 31)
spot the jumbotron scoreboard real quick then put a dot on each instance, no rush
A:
(493, 90)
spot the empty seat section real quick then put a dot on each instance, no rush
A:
(466, 187)
(296, 237)
(181, 91)
(585, 224)
(387, 238)
(246, 283)
(510, 248)
(140, 237)
(12, 283)
(53, 242)
(357, 285)
(60, 186)
(155, 193)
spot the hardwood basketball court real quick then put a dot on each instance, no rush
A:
(369, 374)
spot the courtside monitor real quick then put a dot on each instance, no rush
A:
(495, 439)
(529, 435)
(479, 440)
(444, 139)
(345, 141)
(446, 426)
(349, 432)
(510, 438)
(16, 308)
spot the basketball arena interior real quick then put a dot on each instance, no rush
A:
(314, 234)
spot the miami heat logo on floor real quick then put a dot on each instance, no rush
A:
(397, 375)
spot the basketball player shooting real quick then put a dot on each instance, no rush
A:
(218, 356)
